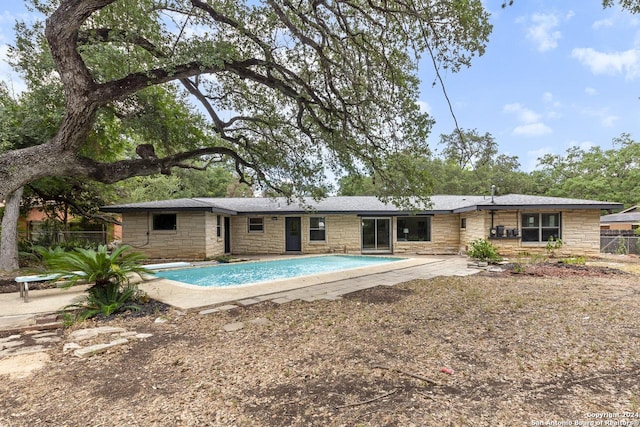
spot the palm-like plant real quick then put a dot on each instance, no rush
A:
(98, 267)
(106, 300)
(108, 273)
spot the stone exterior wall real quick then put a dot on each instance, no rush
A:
(477, 228)
(445, 237)
(214, 245)
(187, 241)
(342, 235)
(196, 237)
(270, 241)
(580, 232)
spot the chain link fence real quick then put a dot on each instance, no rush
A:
(619, 242)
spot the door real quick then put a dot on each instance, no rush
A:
(376, 235)
(227, 235)
(293, 234)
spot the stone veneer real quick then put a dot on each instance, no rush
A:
(580, 231)
(195, 235)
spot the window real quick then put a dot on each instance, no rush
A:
(165, 222)
(540, 227)
(256, 225)
(463, 222)
(414, 229)
(317, 229)
(218, 226)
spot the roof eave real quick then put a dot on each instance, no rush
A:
(601, 206)
(123, 209)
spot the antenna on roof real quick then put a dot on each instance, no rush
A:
(493, 192)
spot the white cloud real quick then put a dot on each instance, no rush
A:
(531, 124)
(583, 145)
(609, 121)
(543, 31)
(532, 129)
(549, 99)
(603, 115)
(626, 62)
(602, 23)
(522, 113)
(590, 91)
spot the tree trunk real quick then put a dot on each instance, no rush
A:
(9, 235)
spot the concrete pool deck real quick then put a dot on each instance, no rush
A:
(13, 311)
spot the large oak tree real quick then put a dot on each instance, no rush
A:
(291, 89)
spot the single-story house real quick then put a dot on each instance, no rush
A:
(628, 219)
(199, 228)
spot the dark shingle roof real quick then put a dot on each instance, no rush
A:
(521, 201)
(631, 217)
(363, 205)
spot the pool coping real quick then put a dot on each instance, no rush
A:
(188, 297)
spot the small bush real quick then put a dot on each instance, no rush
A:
(483, 250)
(553, 245)
(578, 260)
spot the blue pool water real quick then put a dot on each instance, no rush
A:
(223, 275)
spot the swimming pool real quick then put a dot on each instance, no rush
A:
(236, 274)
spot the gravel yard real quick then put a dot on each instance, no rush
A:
(551, 344)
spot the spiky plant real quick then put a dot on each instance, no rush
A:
(98, 267)
(108, 274)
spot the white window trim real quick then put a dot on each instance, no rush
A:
(249, 230)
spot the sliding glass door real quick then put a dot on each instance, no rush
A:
(376, 235)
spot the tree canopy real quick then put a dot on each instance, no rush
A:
(468, 163)
(286, 89)
(594, 173)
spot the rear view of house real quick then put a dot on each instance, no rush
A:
(201, 228)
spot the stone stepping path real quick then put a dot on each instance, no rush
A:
(24, 352)
(116, 336)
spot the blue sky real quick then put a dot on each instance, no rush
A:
(555, 75)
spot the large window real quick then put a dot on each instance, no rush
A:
(539, 227)
(414, 229)
(165, 222)
(256, 225)
(317, 229)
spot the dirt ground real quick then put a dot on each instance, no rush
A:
(552, 344)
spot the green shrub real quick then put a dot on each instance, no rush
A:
(622, 246)
(578, 260)
(553, 245)
(106, 300)
(483, 250)
(108, 274)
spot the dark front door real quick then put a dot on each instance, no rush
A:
(227, 235)
(293, 234)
